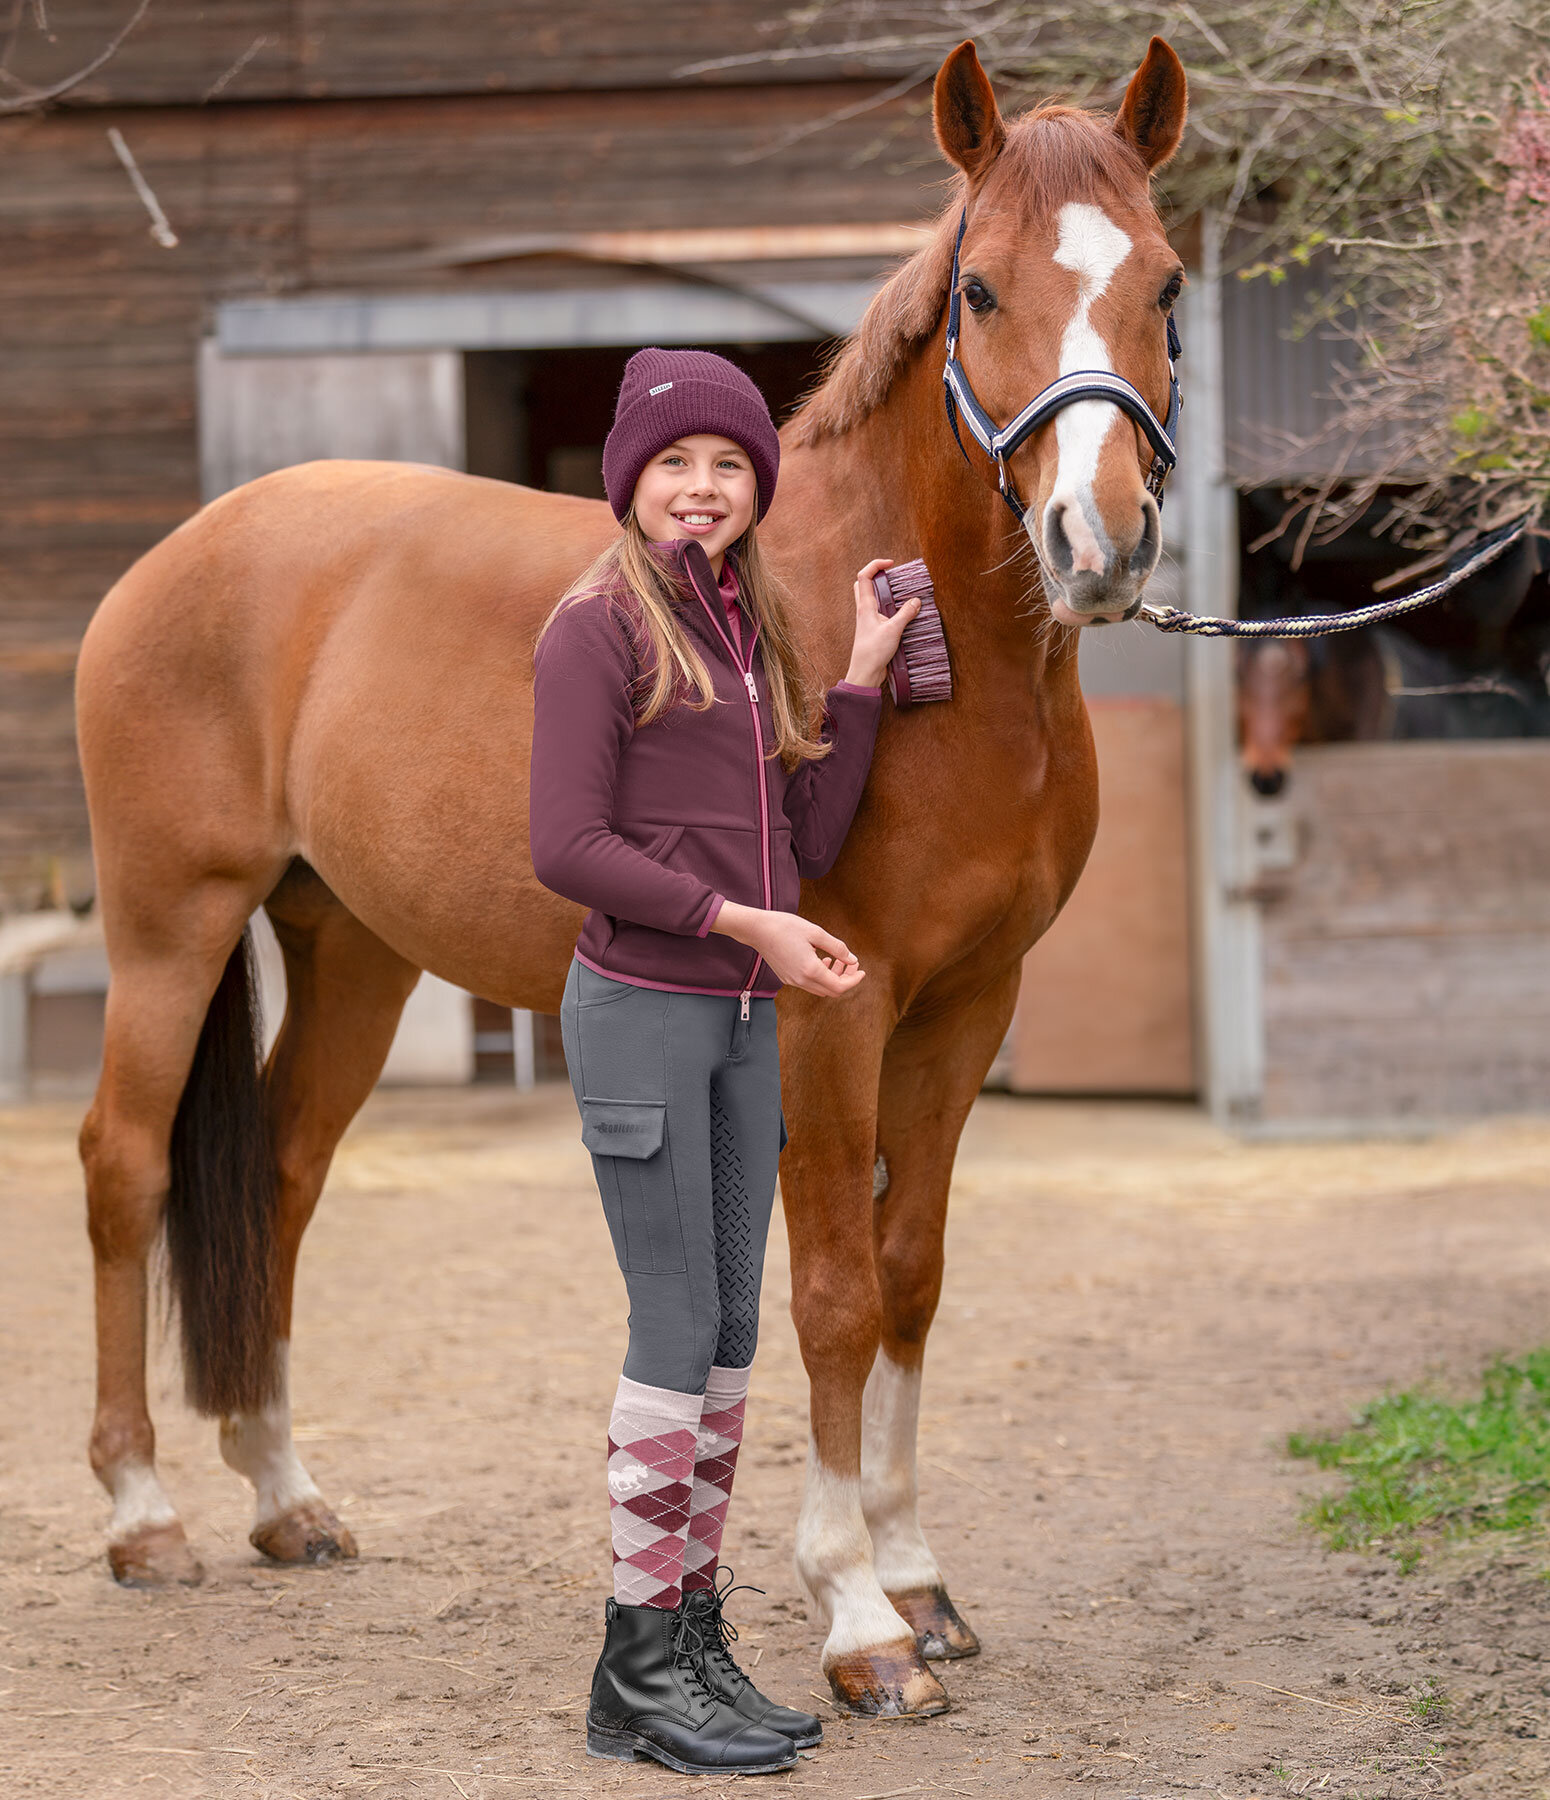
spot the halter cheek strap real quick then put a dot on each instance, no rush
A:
(999, 442)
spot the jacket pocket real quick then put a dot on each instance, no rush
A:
(786, 881)
(655, 841)
(630, 1128)
(726, 858)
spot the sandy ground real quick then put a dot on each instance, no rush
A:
(1137, 1310)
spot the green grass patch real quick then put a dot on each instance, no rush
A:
(1419, 1465)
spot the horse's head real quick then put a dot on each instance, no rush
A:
(1274, 697)
(1064, 266)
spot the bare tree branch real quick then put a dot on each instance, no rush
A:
(33, 98)
(1396, 150)
(160, 229)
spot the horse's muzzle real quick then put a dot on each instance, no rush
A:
(1092, 579)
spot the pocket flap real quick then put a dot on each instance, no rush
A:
(622, 1127)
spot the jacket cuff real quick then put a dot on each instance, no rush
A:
(717, 901)
(851, 687)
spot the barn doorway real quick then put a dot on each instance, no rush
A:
(539, 417)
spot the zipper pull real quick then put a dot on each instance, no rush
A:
(753, 692)
(744, 1013)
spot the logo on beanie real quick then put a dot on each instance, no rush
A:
(660, 388)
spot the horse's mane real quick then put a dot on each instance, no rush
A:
(1052, 154)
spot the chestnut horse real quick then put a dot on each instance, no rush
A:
(315, 697)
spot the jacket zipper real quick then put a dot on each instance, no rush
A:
(758, 741)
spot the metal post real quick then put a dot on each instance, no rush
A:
(14, 1059)
(524, 1061)
(1229, 1004)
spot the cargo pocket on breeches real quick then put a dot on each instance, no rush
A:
(622, 1127)
(635, 1180)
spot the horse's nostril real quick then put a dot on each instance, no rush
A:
(1143, 559)
(1268, 782)
(1057, 546)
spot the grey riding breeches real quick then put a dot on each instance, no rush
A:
(680, 1107)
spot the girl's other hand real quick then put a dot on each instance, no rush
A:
(877, 636)
(800, 952)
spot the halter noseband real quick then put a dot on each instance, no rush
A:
(1080, 384)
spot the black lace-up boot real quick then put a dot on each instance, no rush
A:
(801, 1729)
(652, 1696)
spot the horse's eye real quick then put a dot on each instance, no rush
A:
(977, 295)
(1171, 292)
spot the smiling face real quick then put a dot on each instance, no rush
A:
(700, 487)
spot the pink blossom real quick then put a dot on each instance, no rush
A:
(1526, 151)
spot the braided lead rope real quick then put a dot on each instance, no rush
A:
(1170, 618)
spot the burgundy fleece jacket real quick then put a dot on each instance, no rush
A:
(652, 827)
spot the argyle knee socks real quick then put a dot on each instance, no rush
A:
(715, 1463)
(651, 1437)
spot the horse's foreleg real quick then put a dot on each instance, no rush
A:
(906, 1568)
(345, 991)
(869, 1656)
(931, 1075)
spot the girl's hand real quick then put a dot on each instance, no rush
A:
(877, 636)
(800, 952)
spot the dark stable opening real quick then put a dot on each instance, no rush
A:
(540, 416)
(1475, 665)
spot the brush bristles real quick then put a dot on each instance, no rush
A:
(921, 670)
(908, 580)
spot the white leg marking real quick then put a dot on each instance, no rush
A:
(890, 1417)
(834, 1565)
(1092, 246)
(140, 1502)
(258, 1445)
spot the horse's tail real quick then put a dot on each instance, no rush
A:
(220, 1218)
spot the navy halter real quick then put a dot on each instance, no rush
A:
(1080, 384)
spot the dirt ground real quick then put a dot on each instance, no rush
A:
(1137, 1310)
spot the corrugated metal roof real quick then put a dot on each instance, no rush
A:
(1278, 382)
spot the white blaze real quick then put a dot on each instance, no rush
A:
(1092, 247)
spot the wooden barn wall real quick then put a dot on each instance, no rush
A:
(1407, 960)
(190, 50)
(99, 326)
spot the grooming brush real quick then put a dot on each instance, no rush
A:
(920, 670)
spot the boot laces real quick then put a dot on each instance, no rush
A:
(725, 1632)
(689, 1652)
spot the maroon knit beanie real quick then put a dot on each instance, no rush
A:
(668, 394)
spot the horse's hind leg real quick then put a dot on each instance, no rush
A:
(931, 1075)
(166, 966)
(345, 992)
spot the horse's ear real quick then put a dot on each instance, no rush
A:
(968, 123)
(1151, 117)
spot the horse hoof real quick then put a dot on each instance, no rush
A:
(940, 1634)
(306, 1534)
(886, 1683)
(158, 1556)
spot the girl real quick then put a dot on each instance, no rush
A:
(676, 792)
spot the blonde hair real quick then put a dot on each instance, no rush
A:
(629, 565)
